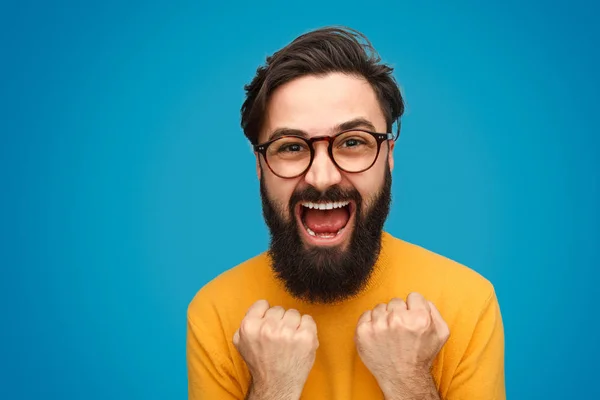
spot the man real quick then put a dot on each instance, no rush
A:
(336, 308)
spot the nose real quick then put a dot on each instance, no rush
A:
(322, 173)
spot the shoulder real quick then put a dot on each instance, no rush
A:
(444, 278)
(232, 291)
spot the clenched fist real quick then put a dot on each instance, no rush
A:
(279, 348)
(398, 342)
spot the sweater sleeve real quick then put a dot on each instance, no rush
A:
(480, 373)
(211, 373)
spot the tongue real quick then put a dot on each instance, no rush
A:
(326, 221)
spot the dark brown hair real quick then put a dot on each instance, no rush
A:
(322, 51)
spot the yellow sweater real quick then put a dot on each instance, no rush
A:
(469, 366)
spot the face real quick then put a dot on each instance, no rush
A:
(326, 255)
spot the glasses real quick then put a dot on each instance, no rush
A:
(352, 151)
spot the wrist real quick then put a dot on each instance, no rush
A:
(273, 389)
(408, 384)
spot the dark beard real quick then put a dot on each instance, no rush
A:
(326, 275)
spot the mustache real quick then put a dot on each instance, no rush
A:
(332, 194)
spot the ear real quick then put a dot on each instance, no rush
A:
(391, 144)
(257, 165)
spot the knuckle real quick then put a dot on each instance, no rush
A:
(365, 316)
(306, 337)
(291, 315)
(445, 336)
(396, 303)
(420, 319)
(363, 328)
(289, 325)
(261, 302)
(267, 330)
(414, 294)
(276, 309)
(395, 320)
(380, 328)
(445, 332)
(308, 321)
(248, 325)
(286, 333)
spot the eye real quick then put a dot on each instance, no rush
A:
(290, 148)
(352, 142)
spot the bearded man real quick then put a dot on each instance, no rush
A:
(337, 308)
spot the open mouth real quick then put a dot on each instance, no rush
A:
(325, 223)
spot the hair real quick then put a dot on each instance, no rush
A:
(319, 52)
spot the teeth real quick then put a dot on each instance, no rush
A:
(326, 206)
(322, 235)
(327, 235)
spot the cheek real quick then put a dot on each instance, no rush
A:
(369, 185)
(279, 191)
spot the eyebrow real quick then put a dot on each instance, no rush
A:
(352, 124)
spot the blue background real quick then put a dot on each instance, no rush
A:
(115, 210)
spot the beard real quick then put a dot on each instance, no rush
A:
(327, 274)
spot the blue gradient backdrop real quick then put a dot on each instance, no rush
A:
(114, 211)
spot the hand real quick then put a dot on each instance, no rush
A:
(279, 348)
(398, 342)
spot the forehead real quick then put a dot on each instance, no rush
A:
(315, 104)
